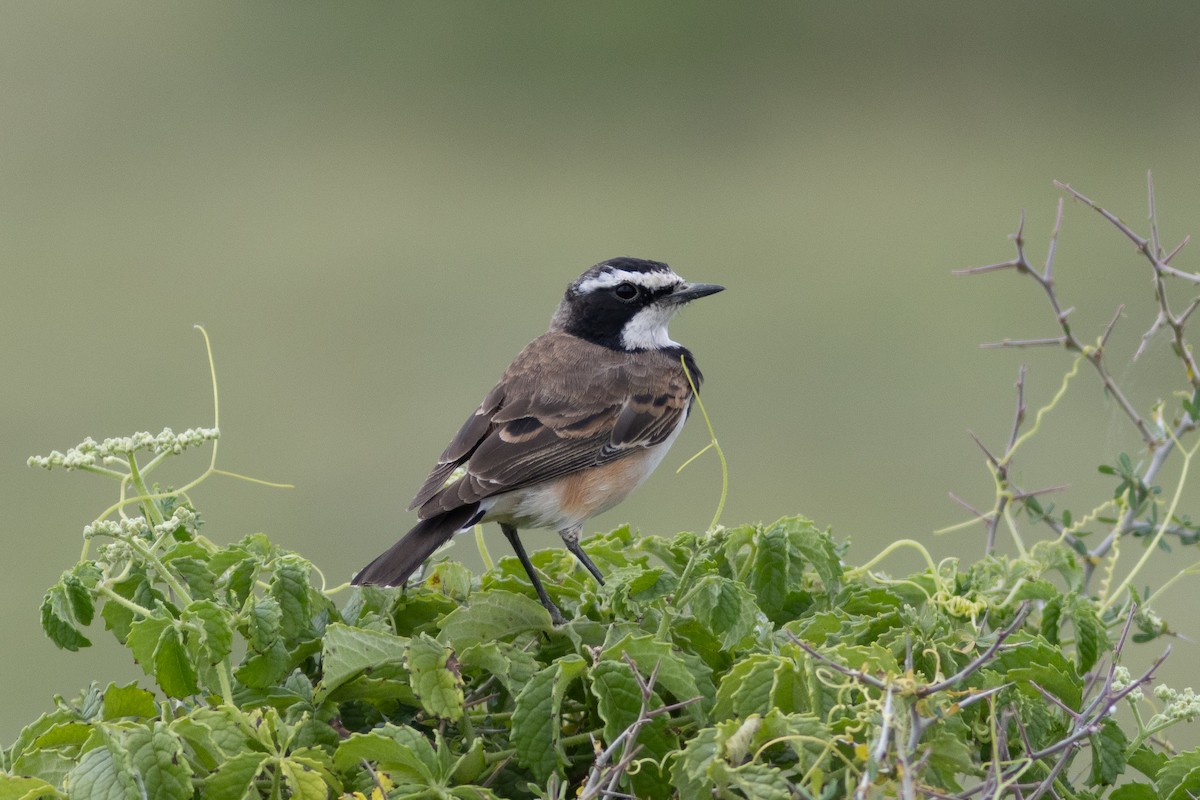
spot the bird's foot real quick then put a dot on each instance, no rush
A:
(555, 615)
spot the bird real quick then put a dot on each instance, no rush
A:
(581, 417)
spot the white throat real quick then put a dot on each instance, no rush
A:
(647, 329)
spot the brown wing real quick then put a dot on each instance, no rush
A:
(564, 405)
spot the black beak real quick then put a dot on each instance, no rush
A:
(692, 291)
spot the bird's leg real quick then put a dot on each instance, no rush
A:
(570, 537)
(511, 534)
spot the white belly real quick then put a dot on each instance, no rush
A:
(567, 502)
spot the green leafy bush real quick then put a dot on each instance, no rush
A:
(749, 661)
(744, 662)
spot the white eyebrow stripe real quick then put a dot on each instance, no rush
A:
(614, 277)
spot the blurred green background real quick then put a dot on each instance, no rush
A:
(372, 207)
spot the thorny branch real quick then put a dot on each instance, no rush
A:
(906, 747)
(1045, 279)
(1159, 443)
(605, 776)
(1086, 723)
(1006, 773)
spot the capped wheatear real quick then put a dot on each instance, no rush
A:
(579, 420)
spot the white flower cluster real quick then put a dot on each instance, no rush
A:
(116, 554)
(89, 452)
(129, 526)
(181, 517)
(1178, 705)
(1121, 679)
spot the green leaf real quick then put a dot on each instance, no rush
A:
(1051, 619)
(157, 758)
(21, 788)
(1147, 761)
(725, 607)
(434, 677)
(52, 765)
(173, 668)
(229, 558)
(494, 615)
(213, 625)
(58, 622)
(346, 652)
(303, 781)
(951, 755)
(747, 687)
(782, 552)
(144, 636)
(265, 669)
(128, 701)
(1028, 659)
(691, 768)
(1108, 754)
(1180, 776)
(82, 608)
(289, 586)
(239, 579)
(511, 665)
(65, 736)
(33, 731)
(1036, 590)
(472, 793)
(1057, 555)
(683, 675)
(1134, 791)
(619, 704)
(50, 748)
(214, 734)
(1091, 637)
(264, 619)
(101, 775)
(194, 571)
(471, 764)
(816, 547)
(234, 779)
(399, 750)
(537, 721)
(649, 583)
(451, 579)
(119, 618)
(759, 781)
(318, 759)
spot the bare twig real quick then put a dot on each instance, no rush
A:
(1053, 341)
(979, 660)
(967, 506)
(1095, 355)
(1160, 444)
(1171, 255)
(1154, 328)
(1143, 245)
(995, 462)
(855, 674)
(1108, 331)
(1019, 414)
(1151, 249)
(1048, 272)
(604, 775)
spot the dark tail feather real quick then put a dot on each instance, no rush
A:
(405, 556)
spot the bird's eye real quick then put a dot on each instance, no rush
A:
(625, 291)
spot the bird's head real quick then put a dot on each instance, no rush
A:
(626, 303)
